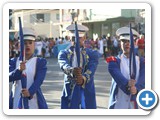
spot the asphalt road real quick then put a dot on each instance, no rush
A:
(53, 84)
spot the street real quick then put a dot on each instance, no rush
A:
(53, 84)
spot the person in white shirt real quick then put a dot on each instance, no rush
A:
(38, 48)
(123, 89)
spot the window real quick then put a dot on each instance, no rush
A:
(40, 17)
(57, 16)
(33, 18)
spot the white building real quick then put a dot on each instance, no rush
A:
(40, 20)
(53, 22)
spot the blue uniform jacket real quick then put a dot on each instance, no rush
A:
(71, 98)
(41, 70)
(119, 81)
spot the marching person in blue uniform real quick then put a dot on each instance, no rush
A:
(35, 69)
(124, 89)
(75, 77)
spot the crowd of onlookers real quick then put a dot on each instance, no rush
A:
(44, 47)
(110, 46)
(107, 46)
(14, 48)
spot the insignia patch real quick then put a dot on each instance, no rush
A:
(88, 72)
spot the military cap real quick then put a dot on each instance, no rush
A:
(124, 33)
(29, 34)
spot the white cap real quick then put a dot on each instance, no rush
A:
(125, 37)
(124, 33)
(81, 28)
(29, 34)
(81, 34)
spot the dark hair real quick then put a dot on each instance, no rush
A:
(73, 39)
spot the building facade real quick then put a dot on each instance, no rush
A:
(53, 22)
(40, 20)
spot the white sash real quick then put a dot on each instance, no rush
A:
(16, 88)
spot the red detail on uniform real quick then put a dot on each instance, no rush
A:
(111, 59)
(30, 97)
(23, 75)
(134, 104)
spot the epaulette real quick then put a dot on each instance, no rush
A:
(111, 59)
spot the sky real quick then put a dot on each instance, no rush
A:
(107, 12)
